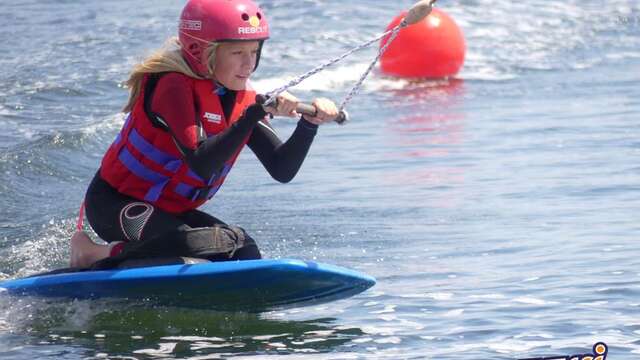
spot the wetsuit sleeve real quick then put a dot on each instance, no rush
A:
(173, 102)
(282, 160)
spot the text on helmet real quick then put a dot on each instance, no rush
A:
(252, 30)
(191, 25)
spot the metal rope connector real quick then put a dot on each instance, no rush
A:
(419, 11)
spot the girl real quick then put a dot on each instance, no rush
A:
(190, 113)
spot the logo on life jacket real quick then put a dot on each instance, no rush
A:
(214, 118)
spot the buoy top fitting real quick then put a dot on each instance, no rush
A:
(419, 11)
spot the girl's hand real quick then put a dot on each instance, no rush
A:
(286, 105)
(327, 111)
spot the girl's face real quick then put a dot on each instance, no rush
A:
(235, 62)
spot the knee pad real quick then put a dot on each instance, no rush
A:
(219, 240)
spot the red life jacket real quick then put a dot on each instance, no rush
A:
(145, 163)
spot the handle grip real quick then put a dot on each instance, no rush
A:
(306, 109)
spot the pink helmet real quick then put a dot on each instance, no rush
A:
(206, 21)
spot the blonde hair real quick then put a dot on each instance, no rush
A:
(167, 59)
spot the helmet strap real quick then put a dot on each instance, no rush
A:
(258, 55)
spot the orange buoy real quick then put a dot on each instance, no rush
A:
(432, 48)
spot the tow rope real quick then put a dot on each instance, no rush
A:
(418, 11)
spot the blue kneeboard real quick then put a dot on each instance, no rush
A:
(250, 285)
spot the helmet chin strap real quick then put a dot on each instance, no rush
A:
(258, 55)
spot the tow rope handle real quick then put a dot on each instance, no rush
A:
(306, 109)
(309, 109)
